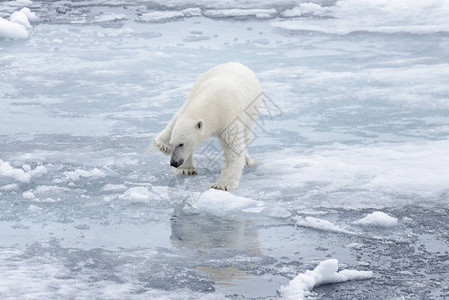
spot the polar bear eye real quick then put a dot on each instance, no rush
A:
(180, 145)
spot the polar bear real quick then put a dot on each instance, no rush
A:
(224, 103)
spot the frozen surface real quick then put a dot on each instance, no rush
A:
(378, 218)
(355, 121)
(326, 272)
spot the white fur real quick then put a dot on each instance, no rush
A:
(224, 103)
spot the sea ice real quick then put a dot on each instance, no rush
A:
(326, 272)
(114, 187)
(75, 175)
(9, 187)
(20, 18)
(28, 195)
(222, 13)
(110, 17)
(311, 222)
(160, 16)
(220, 202)
(34, 208)
(19, 22)
(348, 16)
(29, 14)
(138, 194)
(12, 30)
(8, 171)
(307, 9)
(379, 219)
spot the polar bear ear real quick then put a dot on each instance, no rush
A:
(199, 124)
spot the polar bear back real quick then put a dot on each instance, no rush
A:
(222, 94)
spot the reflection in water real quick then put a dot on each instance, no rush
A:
(205, 231)
(225, 276)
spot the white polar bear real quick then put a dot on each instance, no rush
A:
(224, 102)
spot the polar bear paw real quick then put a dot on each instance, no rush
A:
(164, 148)
(225, 186)
(249, 162)
(185, 171)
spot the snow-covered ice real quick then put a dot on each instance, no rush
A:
(12, 30)
(326, 272)
(19, 22)
(320, 224)
(219, 202)
(378, 218)
(20, 18)
(354, 136)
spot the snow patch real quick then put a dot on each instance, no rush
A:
(114, 188)
(75, 175)
(41, 189)
(38, 171)
(18, 174)
(311, 222)
(168, 15)
(28, 195)
(20, 18)
(20, 3)
(110, 17)
(379, 219)
(47, 200)
(405, 167)
(419, 17)
(9, 187)
(29, 14)
(139, 194)
(234, 12)
(10, 30)
(307, 9)
(16, 27)
(219, 202)
(34, 208)
(326, 272)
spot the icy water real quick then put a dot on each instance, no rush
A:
(356, 121)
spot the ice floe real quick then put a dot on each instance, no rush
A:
(23, 175)
(19, 22)
(75, 175)
(220, 202)
(320, 224)
(326, 272)
(420, 17)
(379, 219)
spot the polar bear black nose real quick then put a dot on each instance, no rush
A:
(176, 163)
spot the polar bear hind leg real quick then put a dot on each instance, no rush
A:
(248, 161)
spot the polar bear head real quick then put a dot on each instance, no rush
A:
(187, 135)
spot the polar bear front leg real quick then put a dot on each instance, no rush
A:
(234, 161)
(186, 168)
(162, 139)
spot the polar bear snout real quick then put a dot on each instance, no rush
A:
(176, 158)
(176, 163)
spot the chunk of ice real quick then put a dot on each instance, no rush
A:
(20, 18)
(326, 272)
(379, 219)
(10, 30)
(219, 202)
(28, 195)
